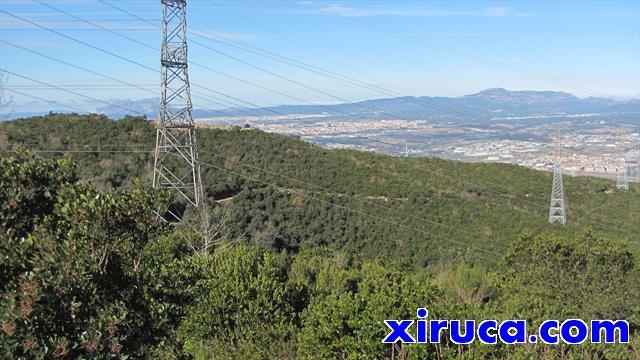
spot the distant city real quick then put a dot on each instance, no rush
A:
(599, 135)
(599, 150)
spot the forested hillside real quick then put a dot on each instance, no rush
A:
(315, 249)
(288, 194)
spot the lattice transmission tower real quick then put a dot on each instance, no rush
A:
(557, 209)
(623, 172)
(623, 177)
(176, 165)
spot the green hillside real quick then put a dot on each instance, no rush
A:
(288, 194)
(313, 249)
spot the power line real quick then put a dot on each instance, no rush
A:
(192, 62)
(100, 20)
(134, 86)
(239, 100)
(120, 9)
(255, 67)
(82, 30)
(321, 71)
(127, 60)
(70, 91)
(87, 86)
(479, 186)
(333, 75)
(589, 215)
(74, 145)
(461, 53)
(88, 70)
(85, 151)
(153, 48)
(299, 64)
(286, 60)
(296, 43)
(430, 235)
(43, 99)
(96, 25)
(77, 66)
(524, 200)
(338, 77)
(619, 230)
(145, 44)
(405, 213)
(80, 41)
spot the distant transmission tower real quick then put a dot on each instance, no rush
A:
(176, 165)
(623, 178)
(557, 210)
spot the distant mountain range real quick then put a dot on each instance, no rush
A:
(490, 104)
(485, 105)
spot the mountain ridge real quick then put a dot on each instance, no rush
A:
(480, 106)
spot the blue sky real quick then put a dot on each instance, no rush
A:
(436, 48)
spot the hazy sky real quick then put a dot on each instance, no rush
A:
(446, 48)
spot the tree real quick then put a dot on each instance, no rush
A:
(72, 264)
(579, 277)
(559, 277)
(344, 319)
(243, 307)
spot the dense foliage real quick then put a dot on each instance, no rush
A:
(86, 272)
(289, 194)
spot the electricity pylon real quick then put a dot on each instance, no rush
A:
(623, 179)
(176, 165)
(557, 210)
